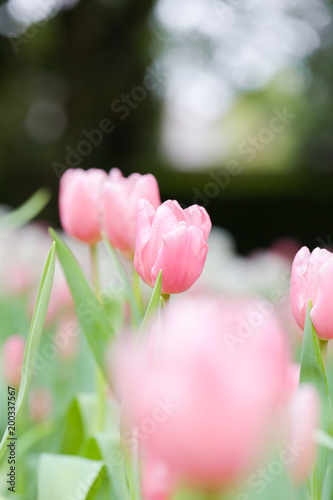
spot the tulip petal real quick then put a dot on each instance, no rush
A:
(144, 218)
(181, 258)
(322, 311)
(79, 196)
(298, 286)
(197, 216)
(115, 215)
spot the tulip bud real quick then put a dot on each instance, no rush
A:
(12, 359)
(119, 204)
(312, 279)
(79, 199)
(172, 240)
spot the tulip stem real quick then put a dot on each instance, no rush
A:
(94, 268)
(323, 349)
(100, 380)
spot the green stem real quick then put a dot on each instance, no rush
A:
(100, 380)
(323, 349)
(94, 267)
(101, 393)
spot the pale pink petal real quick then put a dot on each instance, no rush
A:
(181, 259)
(79, 198)
(198, 216)
(303, 420)
(298, 286)
(144, 219)
(322, 311)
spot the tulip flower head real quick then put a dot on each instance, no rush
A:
(172, 240)
(12, 359)
(119, 205)
(205, 411)
(312, 279)
(79, 203)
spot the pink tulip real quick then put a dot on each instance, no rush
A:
(172, 240)
(205, 410)
(12, 359)
(119, 205)
(293, 374)
(303, 421)
(312, 279)
(67, 337)
(40, 404)
(156, 481)
(79, 199)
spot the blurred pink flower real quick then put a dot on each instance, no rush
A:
(312, 279)
(119, 204)
(67, 336)
(293, 374)
(304, 415)
(172, 240)
(40, 404)
(157, 483)
(205, 408)
(12, 359)
(79, 203)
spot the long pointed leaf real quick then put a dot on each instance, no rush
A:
(26, 212)
(35, 333)
(93, 319)
(153, 305)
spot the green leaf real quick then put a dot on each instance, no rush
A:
(81, 421)
(106, 446)
(69, 478)
(26, 212)
(153, 306)
(35, 333)
(92, 316)
(328, 484)
(313, 371)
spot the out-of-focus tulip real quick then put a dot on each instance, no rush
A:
(293, 374)
(119, 205)
(303, 421)
(156, 481)
(12, 359)
(40, 404)
(172, 240)
(206, 410)
(312, 279)
(79, 203)
(67, 337)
